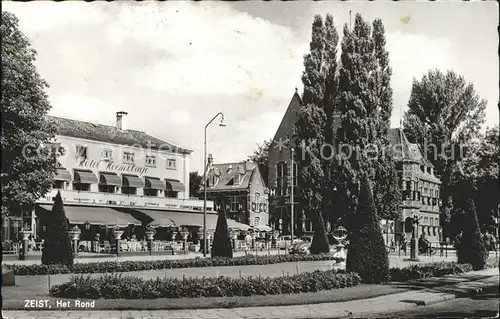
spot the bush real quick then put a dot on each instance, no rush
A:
(320, 243)
(117, 286)
(366, 254)
(221, 247)
(419, 271)
(125, 266)
(57, 247)
(471, 248)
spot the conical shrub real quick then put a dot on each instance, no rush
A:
(366, 253)
(320, 243)
(471, 248)
(221, 246)
(57, 246)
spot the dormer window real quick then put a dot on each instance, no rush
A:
(237, 179)
(107, 155)
(81, 151)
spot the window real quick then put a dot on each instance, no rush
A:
(235, 203)
(281, 178)
(171, 194)
(81, 151)
(295, 174)
(257, 197)
(237, 179)
(256, 221)
(107, 154)
(58, 185)
(150, 161)
(107, 188)
(171, 163)
(128, 157)
(129, 190)
(150, 192)
(81, 187)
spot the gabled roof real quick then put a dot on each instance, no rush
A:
(111, 134)
(400, 147)
(225, 173)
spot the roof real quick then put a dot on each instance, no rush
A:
(111, 134)
(226, 173)
(398, 142)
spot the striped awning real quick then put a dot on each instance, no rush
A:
(164, 218)
(85, 177)
(92, 215)
(132, 181)
(174, 185)
(154, 183)
(110, 179)
(63, 175)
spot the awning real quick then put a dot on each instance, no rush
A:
(85, 177)
(174, 185)
(63, 175)
(110, 179)
(232, 224)
(154, 183)
(165, 218)
(132, 181)
(95, 215)
(263, 228)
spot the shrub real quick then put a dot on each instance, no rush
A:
(366, 254)
(57, 247)
(221, 247)
(117, 286)
(471, 248)
(419, 271)
(320, 243)
(124, 266)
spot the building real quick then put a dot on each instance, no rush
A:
(241, 189)
(113, 175)
(420, 186)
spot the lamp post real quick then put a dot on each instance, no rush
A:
(75, 235)
(222, 124)
(150, 233)
(413, 240)
(26, 232)
(291, 192)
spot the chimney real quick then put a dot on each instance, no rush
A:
(121, 120)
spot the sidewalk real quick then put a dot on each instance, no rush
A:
(462, 284)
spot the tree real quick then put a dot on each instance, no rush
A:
(260, 156)
(221, 246)
(320, 243)
(318, 79)
(444, 114)
(57, 246)
(366, 254)
(365, 104)
(195, 181)
(471, 248)
(481, 168)
(29, 159)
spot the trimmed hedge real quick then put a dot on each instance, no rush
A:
(420, 271)
(116, 286)
(125, 266)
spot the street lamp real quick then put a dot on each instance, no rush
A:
(221, 124)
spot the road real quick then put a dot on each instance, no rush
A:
(483, 305)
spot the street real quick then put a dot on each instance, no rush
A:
(483, 305)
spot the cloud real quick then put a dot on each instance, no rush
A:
(41, 16)
(213, 49)
(411, 56)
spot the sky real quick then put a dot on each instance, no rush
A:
(174, 65)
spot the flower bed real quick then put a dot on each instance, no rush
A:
(125, 266)
(116, 286)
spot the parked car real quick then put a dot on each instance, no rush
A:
(303, 246)
(284, 241)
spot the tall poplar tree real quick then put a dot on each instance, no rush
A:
(315, 126)
(365, 104)
(309, 128)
